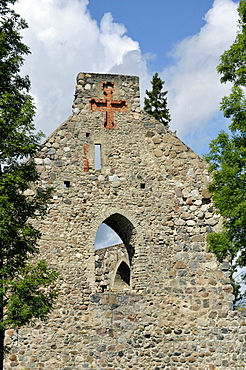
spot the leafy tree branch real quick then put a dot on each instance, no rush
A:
(26, 289)
(227, 157)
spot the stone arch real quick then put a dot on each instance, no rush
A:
(105, 212)
(125, 229)
(113, 263)
(122, 276)
(126, 225)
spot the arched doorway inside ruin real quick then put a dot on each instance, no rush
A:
(113, 262)
(122, 276)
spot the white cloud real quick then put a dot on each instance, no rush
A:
(194, 85)
(65, 40)
(106, 237)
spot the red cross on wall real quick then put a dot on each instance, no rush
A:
(108, 105)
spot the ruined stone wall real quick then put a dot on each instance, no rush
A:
(176, 310)
(111, 269)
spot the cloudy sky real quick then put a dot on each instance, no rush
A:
(182, 40)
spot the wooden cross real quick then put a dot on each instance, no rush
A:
(108, 105)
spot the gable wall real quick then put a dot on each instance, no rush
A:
(177, 313)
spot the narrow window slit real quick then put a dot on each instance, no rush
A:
(66, 184)
(142, 186)
(97, 156)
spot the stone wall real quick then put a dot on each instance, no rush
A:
(112, 269)
(159, 300)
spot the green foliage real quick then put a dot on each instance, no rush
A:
(156, 103)
(233, 61)
(227, 157)
(222, 245)
(29, 298)
(26, 290)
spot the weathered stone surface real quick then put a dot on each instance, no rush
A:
(198, 238)
(180, 265)
(51, 151)
(148, 124)
(225, 266)
(156, 139)
(156, 300)
(158, 153)
(206, 194)
(178, 192)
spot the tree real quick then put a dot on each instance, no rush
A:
(227, 158)
(156, 103)
(25, 291)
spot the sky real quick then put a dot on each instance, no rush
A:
(182, 40)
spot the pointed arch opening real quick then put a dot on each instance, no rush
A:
(113, 262)
(124, 228)
(122, 276)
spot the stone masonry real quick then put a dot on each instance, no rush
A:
(156, 301)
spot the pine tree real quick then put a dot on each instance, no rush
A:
(21, 296)
(227, 158)
(156, 103)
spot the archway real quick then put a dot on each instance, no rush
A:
(113, 263)
(122, 276)
(124, 228)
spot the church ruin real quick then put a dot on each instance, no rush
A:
(156, 301)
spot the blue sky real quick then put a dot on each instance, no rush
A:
(156, 25)
(180, 39)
